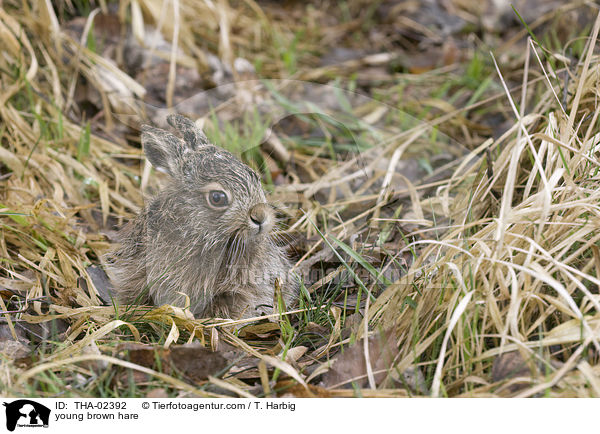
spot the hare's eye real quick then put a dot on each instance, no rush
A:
(217, 198)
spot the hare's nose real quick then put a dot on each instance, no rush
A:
(259, 214)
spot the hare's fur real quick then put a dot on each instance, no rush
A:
(183, 250)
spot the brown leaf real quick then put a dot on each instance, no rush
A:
(101, 282)
(261, 330)
(414, 379)
(193, 360)
(93, 365)
(141, 354)
(137, 377)
(350, 366)
(106, 32)
(293, 354)
(196, 361)
(317, 329)
(289, 388)
(13, 350)
(157, 393)
(509, 366)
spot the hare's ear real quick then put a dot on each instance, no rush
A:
(164, 150)
(192, 135)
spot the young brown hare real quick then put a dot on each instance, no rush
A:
(206, 236)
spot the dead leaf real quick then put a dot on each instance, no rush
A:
(93, 365)
(317, 329)
(350, 366)
(101, 283)
(196, 361)
(261, 330)
(13, 350)
(140, 354)
(511, 365)
(414, 379)
(293, 354)
(157, 393)
(53, 330)
(289, 388)
(193, 360)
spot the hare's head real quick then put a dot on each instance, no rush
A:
(219, 196)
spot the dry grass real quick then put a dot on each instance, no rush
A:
(500, 244)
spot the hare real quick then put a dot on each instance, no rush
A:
(204, 240)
